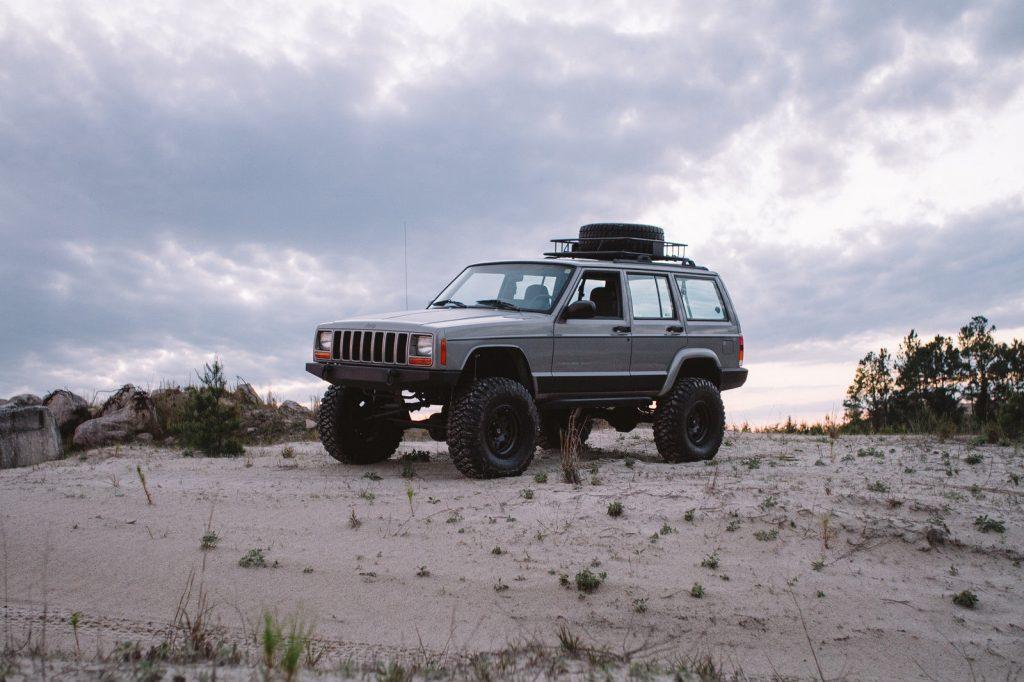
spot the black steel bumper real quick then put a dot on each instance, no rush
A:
(386, 378)
(733, 378)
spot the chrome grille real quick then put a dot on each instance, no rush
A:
(371, 346)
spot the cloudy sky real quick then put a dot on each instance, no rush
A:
(176, 183)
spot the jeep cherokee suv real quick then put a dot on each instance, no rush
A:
(616, 324)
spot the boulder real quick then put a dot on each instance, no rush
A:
(28, 435)
(270, 424)
(24, 400)
(68, 409)
(246, 395)
(126, 414)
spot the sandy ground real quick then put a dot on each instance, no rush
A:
(78, 535)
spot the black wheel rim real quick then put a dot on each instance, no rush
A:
(698, 423)
(503, 431)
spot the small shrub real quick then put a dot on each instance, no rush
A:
(540, 477)
(288, 452)
(988, 525)
(688, 516)
(526, 494)
(766, 535)
(208, 421)
(697, 591)
(497, 551)
(878, 487)
(640, 605)
(588, 581)
(253, 559)
(710, 561)
(615, 509)
(209, 540)
(973, 459)
(966, 599)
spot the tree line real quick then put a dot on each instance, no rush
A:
(968, 382)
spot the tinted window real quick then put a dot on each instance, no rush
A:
(651, 297)
(604, 290)
(701, 300)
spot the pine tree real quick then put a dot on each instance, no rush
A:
(209, 421)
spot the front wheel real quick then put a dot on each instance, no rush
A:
(690, 422)
(355, 426)
(492, 430)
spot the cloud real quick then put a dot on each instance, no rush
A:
(214, 181)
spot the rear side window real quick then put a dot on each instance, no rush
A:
(651, 297)
(701, 299)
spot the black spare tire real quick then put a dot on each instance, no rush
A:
(645, 239)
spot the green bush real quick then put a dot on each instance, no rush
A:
(209, 421)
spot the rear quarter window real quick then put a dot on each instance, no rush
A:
(702, 301)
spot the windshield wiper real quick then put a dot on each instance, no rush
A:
(498, 303)
(448, 301)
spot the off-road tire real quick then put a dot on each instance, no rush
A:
(478, 406)
(340, 433)
(673, 429)
(622, 237)
(551, 425)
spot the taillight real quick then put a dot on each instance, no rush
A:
(741, 350)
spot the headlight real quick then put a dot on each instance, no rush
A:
(324, 340)
(423, 345)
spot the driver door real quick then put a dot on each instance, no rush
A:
(592, 355)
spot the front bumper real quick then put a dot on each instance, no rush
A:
(383, 377)
(733, 378)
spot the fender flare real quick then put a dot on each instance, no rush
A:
(532, 380)
(682, 356)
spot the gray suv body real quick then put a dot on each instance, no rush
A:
(514, 349)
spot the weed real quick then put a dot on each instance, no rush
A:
(497, 551)
(615, 509)
(526, 493)
(416, 456)
(407, 470)
(253, 559)
(372, 476)
(688, 516)
(569, 642)
(209, 540)
(422, 572)
(640, 605)
(571, 443)
(409, 493)
(697, 591)
(76, 618)
(368, 496)
(629, 462)
(966, 599)
(768, 503)
(751, 463)
(1014, 479)
(973, 458)
(353, 520)
(454, 517)
(766, 535)
(500, 586)
(540, 477)
(871, 452)
(818, 564)
(710, 561)
(667, 529)
(288, 452)
(588, 581)
(145, 488)
(820, 595)
(733, 525)
(878, 487)
(988, 525)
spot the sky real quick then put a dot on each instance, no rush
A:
(185, 180)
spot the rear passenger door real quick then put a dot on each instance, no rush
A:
(708, 322)
(657, 332)
(592, 355)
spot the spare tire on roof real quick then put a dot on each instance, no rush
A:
(646, 239)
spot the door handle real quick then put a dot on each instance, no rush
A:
(622, 330)
(675, 329)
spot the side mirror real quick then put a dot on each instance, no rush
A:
(580, 310)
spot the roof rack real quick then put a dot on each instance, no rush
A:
(636, 249)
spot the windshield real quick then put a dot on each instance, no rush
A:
(533, 287)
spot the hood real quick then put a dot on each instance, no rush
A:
(436, 318)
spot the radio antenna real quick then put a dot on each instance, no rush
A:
(405, 239)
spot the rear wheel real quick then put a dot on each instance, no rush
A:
(553, 423)
(354, 425)
(492, 430)
(690, 422)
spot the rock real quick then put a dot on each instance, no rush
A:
(246, 395)
(68, 409)
(310, 424)
(293, 407)
(127, 413)
(28, 435)
(24, 400)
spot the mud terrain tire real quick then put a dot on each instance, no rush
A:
(551, 426)
(347, 434)
(690, 422)
(622, 237)
(492, 430)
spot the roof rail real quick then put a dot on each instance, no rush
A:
(622, 248)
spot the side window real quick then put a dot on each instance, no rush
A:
(701, 299)
(651, 297)
(604, 289)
